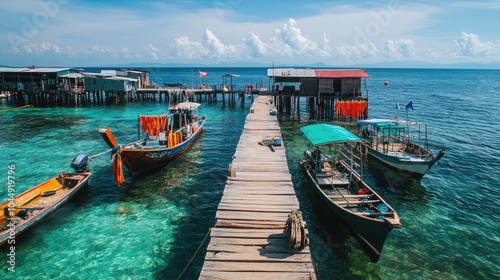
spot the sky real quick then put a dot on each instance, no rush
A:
(73, 33)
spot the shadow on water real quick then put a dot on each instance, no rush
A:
(394, 183)
(337, 230)
(332, 242)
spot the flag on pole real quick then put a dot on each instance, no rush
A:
(409, 107)
(202, 74)
(398, 107)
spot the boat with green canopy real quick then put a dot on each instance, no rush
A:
(401, 145)
(337, 176)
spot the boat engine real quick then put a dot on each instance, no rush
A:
(80, 163)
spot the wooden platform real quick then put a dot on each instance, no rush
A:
(248, 240)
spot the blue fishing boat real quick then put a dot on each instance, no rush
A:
(337, 177)
(401, 145)
(165, 138)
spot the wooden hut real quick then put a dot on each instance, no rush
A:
(326, 89)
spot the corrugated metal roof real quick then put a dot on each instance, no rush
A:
(11, 69)
(117, 78)
(317, 73)
(72, 75)
(32, 70)
(291, 72)
(341, 73)
(109, 72)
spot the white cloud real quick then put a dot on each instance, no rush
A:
(41, 48)
(470, 45)
(290, 37)
(368, 50)
(216, 49)
(153, 52)
(95, 49)
(255, 46)
(399, 49)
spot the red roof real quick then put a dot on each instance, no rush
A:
(341, 73)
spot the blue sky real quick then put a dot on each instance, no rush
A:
(337, 33)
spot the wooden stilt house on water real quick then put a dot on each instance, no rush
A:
(69, 86)
(334, 94)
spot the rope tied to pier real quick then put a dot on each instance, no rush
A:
(196, 253)
(297, 232)
(12, 109)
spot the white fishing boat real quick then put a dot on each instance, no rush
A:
(401, 145)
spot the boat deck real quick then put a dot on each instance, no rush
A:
(248, 240)
(327, 179)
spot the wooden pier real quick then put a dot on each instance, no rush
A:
(249, 239)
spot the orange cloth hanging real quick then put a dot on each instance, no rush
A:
(170, 139)
(117, 169)
(163, 123)
(174, 139)
(153, 124)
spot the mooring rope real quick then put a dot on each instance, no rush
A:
(107, 151)
(12, 109)
(99, 154)
(189, 263)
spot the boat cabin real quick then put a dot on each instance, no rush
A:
(394, 137)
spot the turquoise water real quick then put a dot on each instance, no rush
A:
(152, 226)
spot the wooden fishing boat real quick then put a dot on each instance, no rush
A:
(21, 212)
(165, 138)
(401, 145)
(337, 178)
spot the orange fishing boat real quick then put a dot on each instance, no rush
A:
(165, 138)
(21, 212)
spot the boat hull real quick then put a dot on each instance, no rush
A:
(414, 168)
(145, 160)
(371, 233)
(40, 214)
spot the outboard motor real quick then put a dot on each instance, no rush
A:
(80, 163)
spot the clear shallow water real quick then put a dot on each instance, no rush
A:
(152, 226)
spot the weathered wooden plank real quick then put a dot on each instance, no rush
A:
(260, 191)
(248, 241)
(248, 199)
(251, 233)
(257, 179)
(258, 257)
(269, 174)
(251, 186)
(253, 225)
(292, 202)
(219, 275)
(253, 207)
(258, 267)
(255, 216)
(261, 168)
(268, 248)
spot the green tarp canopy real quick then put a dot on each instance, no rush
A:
(322, 134)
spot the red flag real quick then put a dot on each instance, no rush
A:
(202, 74)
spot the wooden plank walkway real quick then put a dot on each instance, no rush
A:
(248, 240)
